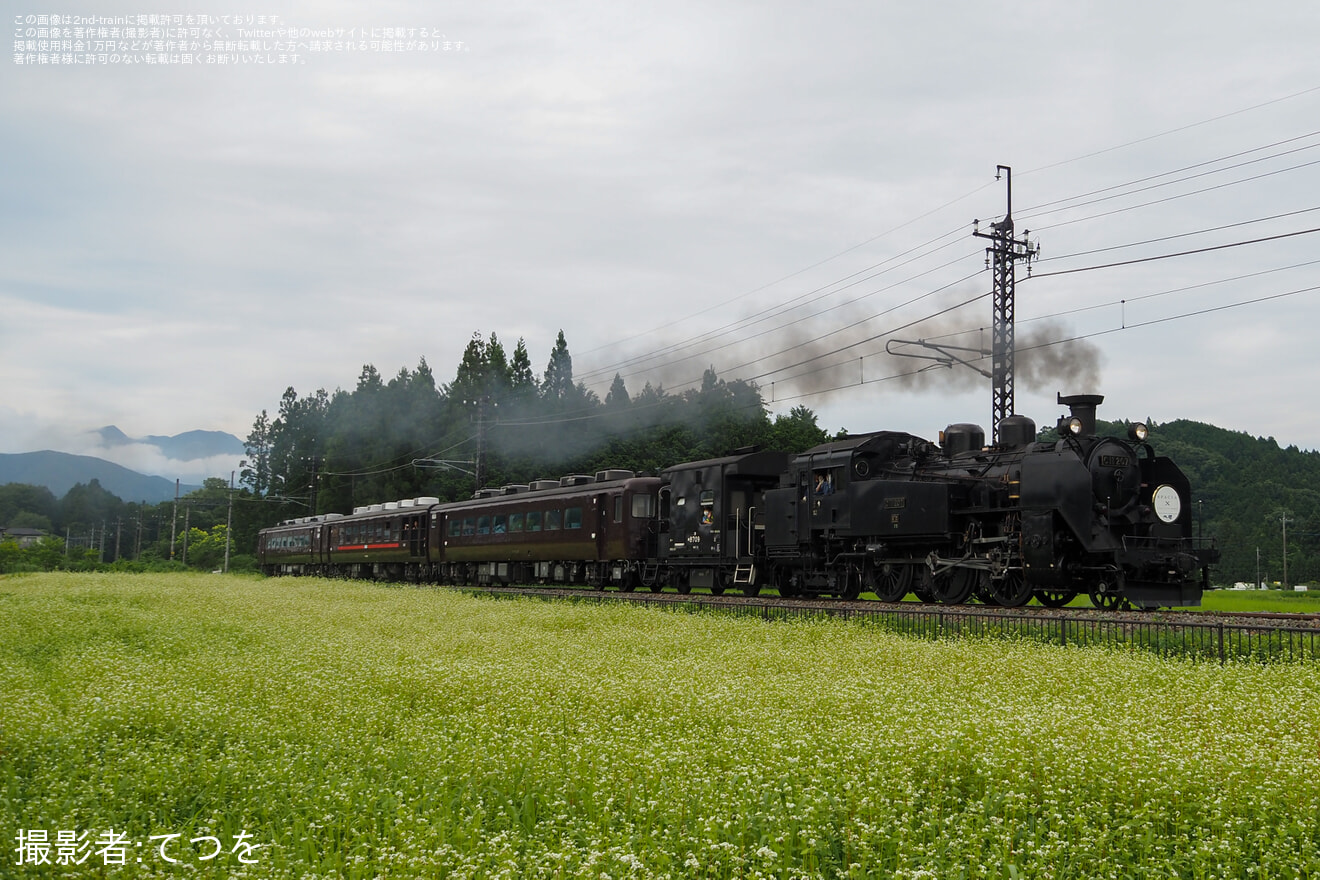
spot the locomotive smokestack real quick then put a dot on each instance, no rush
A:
(1082, 407)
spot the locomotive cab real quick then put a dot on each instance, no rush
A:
(714, 534)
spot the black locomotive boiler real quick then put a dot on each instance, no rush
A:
(887, 513)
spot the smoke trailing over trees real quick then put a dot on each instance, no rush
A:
(804, 358)
(410, 436)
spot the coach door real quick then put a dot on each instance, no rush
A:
(414, 528)
(603, 508)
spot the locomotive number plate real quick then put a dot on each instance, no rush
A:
(1114, 461)
(895, 503)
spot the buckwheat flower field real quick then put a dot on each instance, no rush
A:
(176, 725)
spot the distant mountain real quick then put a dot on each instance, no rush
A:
(60, 471)
(188, 446)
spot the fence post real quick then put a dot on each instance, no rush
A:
(1063, 632)
(1222, 658)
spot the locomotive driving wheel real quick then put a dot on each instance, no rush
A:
(1011, 591)
(890, 581)
(784, 583)
(1055, 598)
(1107, 601)
(678, 579)
(952, 587)
(849, 583)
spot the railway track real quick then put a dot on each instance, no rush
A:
(854, 607)
(1203, 635)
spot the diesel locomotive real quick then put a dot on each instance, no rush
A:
(886, 513)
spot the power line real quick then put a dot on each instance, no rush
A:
(1170, 131)
(1079, 337)
(1118, 247)
(1218, 247)
(1067, 203)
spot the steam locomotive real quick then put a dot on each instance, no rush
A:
(886, 513)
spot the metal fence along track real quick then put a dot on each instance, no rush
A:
(1216, 639)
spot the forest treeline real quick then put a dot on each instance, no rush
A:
(499, 421)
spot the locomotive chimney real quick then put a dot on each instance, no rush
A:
(1082, 407)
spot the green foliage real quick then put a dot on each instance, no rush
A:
(136, 537)
(47, 554)
(797, 431)
(18, 499)
(206, 550)
(1241, 487)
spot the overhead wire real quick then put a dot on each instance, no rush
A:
(659, 354)
(825, 290)
(1070, 202)
(1075, 338)
(808, 268)
(780, 309)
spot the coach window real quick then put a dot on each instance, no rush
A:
(455, 527)
(469, 526)
(483, 525)
(573, 518)
(501, 524)
(534, 521)
(643, 506)
(515, 522)
(618, 508)
(552, 518)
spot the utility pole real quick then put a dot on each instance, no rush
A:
(481, 403)
(229, 520)
(1283, 518)
(174, 518)
(1003, 254)
(313, 461)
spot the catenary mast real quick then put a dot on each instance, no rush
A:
(1003, 255)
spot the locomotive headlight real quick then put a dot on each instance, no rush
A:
(1075, 425)
(1138, 431)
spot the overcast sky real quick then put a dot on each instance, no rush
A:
(181, 242)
